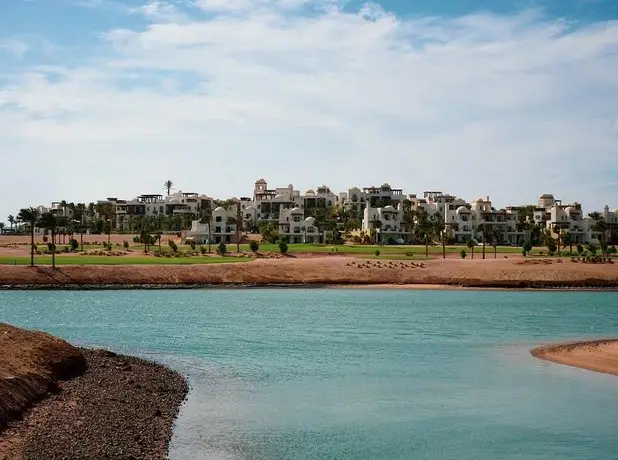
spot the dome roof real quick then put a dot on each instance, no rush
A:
(546, 196)
(219, 209)
(389, 208)
(204, 197)
(310, 220)
(462, 209)
(309, 192)
(479, 200)
(570, 210)
(250, 208)
(296, 210)
(174, 200)
(260, 181)
(386, 185)
(354, 189)
(278, 197)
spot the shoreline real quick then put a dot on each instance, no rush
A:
(520, 286)
(56, 398)
(594, 355)
(324, 272)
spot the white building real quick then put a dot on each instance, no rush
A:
(386, 223)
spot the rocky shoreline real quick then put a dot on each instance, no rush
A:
(120, 408)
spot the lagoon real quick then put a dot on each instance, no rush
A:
(358, 374)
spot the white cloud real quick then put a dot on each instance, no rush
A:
(13, 46)
(506, 106)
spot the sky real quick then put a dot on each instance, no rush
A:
(506, 99)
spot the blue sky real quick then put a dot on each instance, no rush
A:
(509, 99)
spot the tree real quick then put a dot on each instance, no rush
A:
(567, 240)
(206, 218)
(423, 227)
(483, 228)
(438, 230)
(377, 226)
(168, 185)
(254, 246)
(551, 246)
(470, 245)
(269, 232)
(30, 216)
(496, 236)
(48, 222)
(11, 220)
(238, 225)
(599, 225)
(283, 247)
(222, 248)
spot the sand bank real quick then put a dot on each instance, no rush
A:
(598, 355)
(322, 271)
(58, 400)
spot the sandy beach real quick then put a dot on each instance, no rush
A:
(325, 271)
(58, 400)
(597, 355)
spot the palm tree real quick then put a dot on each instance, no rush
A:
(423, 227)
(206, 218)
(599, 226)
(470, 245)
(238, 225)
(48, 222)
(567, 240)
(483, 228)
(1, 227)
(11, 220)
(438, 230)
(496, 235)
(168, 185)
(377, 226)
(29, 215)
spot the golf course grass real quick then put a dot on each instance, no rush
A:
(120, 260)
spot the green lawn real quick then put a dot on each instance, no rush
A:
(370, 249)
(124, 260)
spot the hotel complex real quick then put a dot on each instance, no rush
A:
(379, 210)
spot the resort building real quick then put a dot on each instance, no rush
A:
(385, 223)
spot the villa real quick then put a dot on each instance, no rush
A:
(299, 216)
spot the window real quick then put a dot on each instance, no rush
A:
(218, 219)
(217, 229)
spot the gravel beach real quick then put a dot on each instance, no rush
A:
(120, 408)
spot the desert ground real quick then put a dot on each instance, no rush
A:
(326, 270)
(597, 355)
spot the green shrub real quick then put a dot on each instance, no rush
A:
(203, 249)
(192, 244)
(409, 254)
(283, 247)
(222, 249)
(51, 247)
(463, 254)
(126, 244)
(74, 244)
(173, 246)
(580, 249)
(254, 246)
(377, 253)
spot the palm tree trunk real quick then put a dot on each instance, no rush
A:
(209, 237)
(483, 246)
(426, 246)
(53, 237)
(472, 249)
(443, 246)
(32, 244)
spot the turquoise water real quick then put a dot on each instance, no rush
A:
(345, 374)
